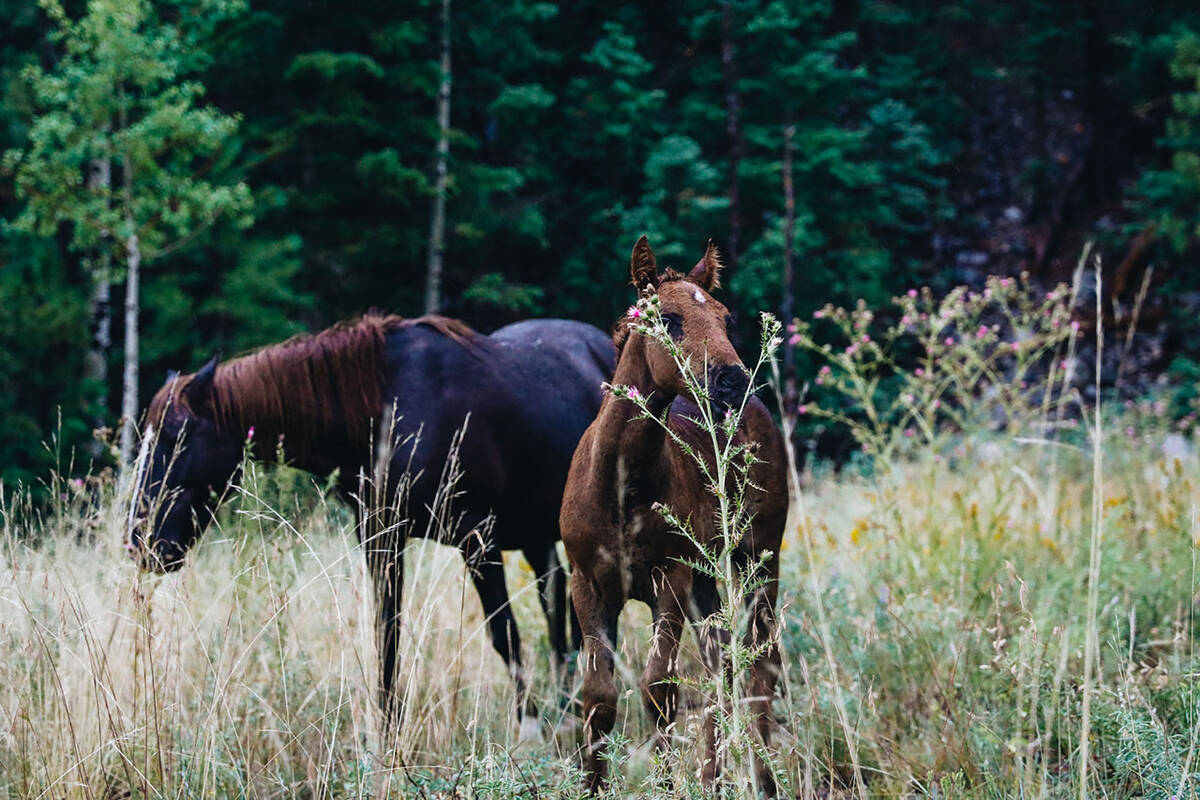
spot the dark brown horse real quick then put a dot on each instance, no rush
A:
(380, 400)
(620, 546)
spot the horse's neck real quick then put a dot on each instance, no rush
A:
(304, 442)
(623, 433)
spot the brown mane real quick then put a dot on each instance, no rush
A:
(310, 387)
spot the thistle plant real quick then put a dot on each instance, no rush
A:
(999, 358)
(726, 470)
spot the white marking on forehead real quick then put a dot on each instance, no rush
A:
(699, 296)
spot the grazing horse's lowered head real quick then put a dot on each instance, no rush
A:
(698, 324)
(187, 462)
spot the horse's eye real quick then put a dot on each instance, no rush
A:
(674, 324)
(731, 331)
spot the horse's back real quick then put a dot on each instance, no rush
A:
(530, 390)
(554, 370)
(587, 350)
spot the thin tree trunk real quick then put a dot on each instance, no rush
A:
(99, 315)
(789, 238)
(437, 227)
(129, 381)
(733, 127)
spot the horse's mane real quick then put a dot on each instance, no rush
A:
(316, 386)
(621, 328)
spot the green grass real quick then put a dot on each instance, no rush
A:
(953, 592)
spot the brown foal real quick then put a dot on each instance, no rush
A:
(622, 549)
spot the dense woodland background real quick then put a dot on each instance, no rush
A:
(292, 152)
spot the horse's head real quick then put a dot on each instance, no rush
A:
(697, 322)
(189, 458)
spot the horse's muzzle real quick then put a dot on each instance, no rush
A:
(727, 385)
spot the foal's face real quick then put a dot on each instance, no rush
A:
(699, 325)
(189, 460)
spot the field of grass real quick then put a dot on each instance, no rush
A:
(936, 621)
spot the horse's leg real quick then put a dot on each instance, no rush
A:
(714, 652)
(385, 562)
(488, 575)
(598, 620)
(764, 672)
(660, 694)
(552, 591)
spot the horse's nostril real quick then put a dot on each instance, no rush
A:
(730, 379)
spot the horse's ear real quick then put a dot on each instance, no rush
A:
(200, 387)
(643, 269)
(707, 272)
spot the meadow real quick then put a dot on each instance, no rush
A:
(935, 633)
(994, 597)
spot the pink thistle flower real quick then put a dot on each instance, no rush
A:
(795, 340)
(937, 404)
(250, 433)
(818, 314)
(634, 394)
(906, 320)
(912, 292)
(909, 433)
(802, 409)
(634, 312)
(852, 349)
(791, 328)
(1074, 325)
(825, 370)
(982, 332)
(866, 338)
(919, 372)
(949, 341)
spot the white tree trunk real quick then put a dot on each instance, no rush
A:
(129, 382)
(437, 227)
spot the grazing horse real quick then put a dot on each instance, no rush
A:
(382, 400)
(620, 546)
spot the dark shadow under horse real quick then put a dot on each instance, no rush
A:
(383, 401)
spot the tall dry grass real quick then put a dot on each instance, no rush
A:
(936, 640)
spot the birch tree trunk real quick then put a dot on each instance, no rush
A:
(437, 226)
(129, 380)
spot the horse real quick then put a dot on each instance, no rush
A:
(621, 547)
(383, 401)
